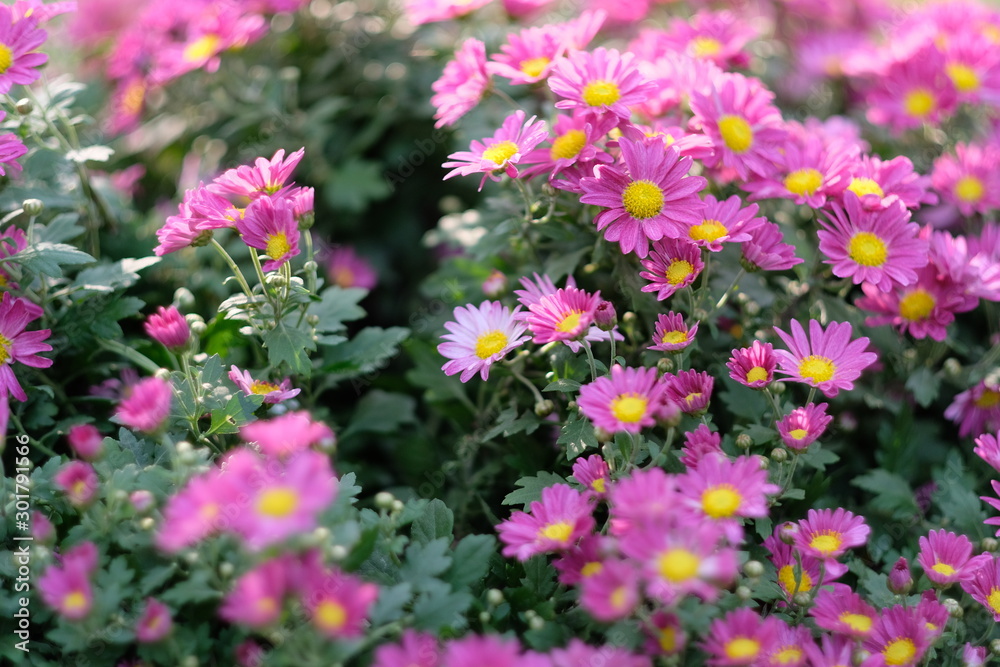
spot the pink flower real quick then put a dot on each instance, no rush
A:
(766, 250)
(812, 171)
(795, 573)
(462, 84)
(432, 11)
(601, 81)
(85, 440)
(42, 529)
(984, 586)
(911, 91)
(717, 36)
(66, 588)
(720, 490)
(556, 523)
(700, 444)
(147, 405)
(753, 366)
(346, 268)
(272, 393)
(691, 390)
(878, 183)
(988, 449)
(258, 596)
(612, 593)
(584, 560)
(723, 222)
(19, 39)
(881, 247)
(842, 611)
(802, 426)
(625, 401)
(527, 57)
(740, 637)
(142, 500)
(566, 314)
(413, 650)
(269, 224)
(649, 197)
(181, 231)
(155, 622)
(977, 410)
(487, 651)
(672, 265)
(168, 327)
(11, 149)
(78, 481)
(287, 434)
(646, 498)
(12, 240)
(500, 153)
(18, 345)
(671, 334)
(264, 178)
(947, 557)
(593, 473)
(827, 534)
(900, 636)
(577, 654)
(969, 180)
(479, 337)
(338, 604)
(790, 647)
(826, 359)
(574, 145)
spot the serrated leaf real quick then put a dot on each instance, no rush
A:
(49, 258)
(924, 384)
(368, 352)
(195, 588)
(509, 423)
(381, 412)
(336, 306)
(425, 561)
(531, 488)
(238, 411)
(472, 560)
(439, 607)
(290, 346)
(61, 228)
(892, 493)
(390, 604)
(436, 522)
(564, 385)
(110, 277)
(578, 436)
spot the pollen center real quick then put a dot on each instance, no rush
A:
(969, 189)
(330, 615)
(569, 145)
(708, 230)
(917, 305)
(202, 48)
(490, 343)
(987, 399)
(260, 387)
(74, 601)
(5, 345)
(867, 249)
(798, 433)
(277, 245)
(918, 102)
(786, 577)
(599, 485)
(704, 47)
(668, 639)
(592, 568)
(133, 97)
(570, 321)
(865, 186)
(277, 503)
(559, 531)
(993, 599)
(601, 93)
(964, 77)
(899, 651)
(826, 542)
(642, 199)
(678, 271)
(736, 133)
(6, 57)
(943, 568)
(500, 152)
(742, 648)
(678, 565)
(534, 67)
(804, 181)
(721, 501)
(789, 655)
(816, 368)
(629, 408)
(756, 374)
(674, 338)
(857, 622)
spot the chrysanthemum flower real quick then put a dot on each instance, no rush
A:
(675, 74)
(747, 129)
(652, 197)
(741, 637)
(973, 656)
(18, 345)
(12, 241)
(485, 650)
(78, 481)
(480, 336)
(699, 444)
(842, 611)
(969, 179)
(717, 36)
(415, 649)
(811, 172)
(577, 654)
(601, 81)
(691, 390)
(802, 426)
(500, 153)
(947, 557)
(155, 622)
(723, 222)
(196, 511)
(66, 587)
(272, 393)
(574, 143)
(672, 265)
(900, 636)
(345, 267)
(665, 634)
(753, 366)
(644, 498)
(826, 359)
(584, 560)
(925, 309)
(288, 433)
(269, 224)
(988, 449)
(766, 250)
(431, 11)
(555, 523)
(625, 401)
(147, 405)
(462, 84)
(181, 231)
(833, 651)
(566, 314)
(19, 61)
(994, 503)
(827, 533)
(789, 648)
(11, 149)
(85, 441)
(339, 604)
(264, 178)
(542, 287)
(528, 55)
(168, 327)
(593, 473)
(613, 593)
(911, 91)
(984, 586)
(879, 182)
(972, 64)
(671, 334)
(257, 598)
(722, 490)
(976, 410)
(795, 573)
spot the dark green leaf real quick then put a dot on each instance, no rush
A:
(289, 346)
(381, 412)
(436, 522)
(49, 258)
(472, 560)
(531, 488)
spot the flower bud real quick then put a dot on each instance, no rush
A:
(33, 207)
(226, 569)
(778, 388)
(989, 544)
(86, 441)
(605, 316)
(544, 408)
(147, 523)
(668, 414)
(900, 579)
(484, 617)
(384, 500)
(338, 552)
(743, 592)
(494, 596)
(753, 569)
(954, 607)
(802, 599)
(995, 647)
(603, 435)
(168, 327)
(779, 455)
(665, 365)
(24, 106)
(787, 532)
(744, 441)
(183, 298)
(536, 623)
(397, 505)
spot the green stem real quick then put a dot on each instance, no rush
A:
(34, 443)
(195, 393)
(590, 359)
(134, 356)
(227, 258)
(725, 297)
(611, 335)
(310, 263)
(527, 383)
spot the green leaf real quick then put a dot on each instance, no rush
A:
(365, 354)
(539, 577)
(564, 385)
(531, 488)
(425, 561)
(818, 457)
(472, 560)
(290, 346)
(49, 258)
(381, 412)
(109, 277)
(508, 423)
(362, 549)
(61, 228)
(436, 522)
(390, 604)
(195, 588)
(439, 607)
(924, 384)
(578, 436)
(337, 305)
(238, 411)
(892, 493)
(356, 183)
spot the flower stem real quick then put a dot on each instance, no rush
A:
(590, 359)
(134, 356)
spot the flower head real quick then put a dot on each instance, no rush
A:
(19, 39)
(977, 410)
(168, 327)
(593, 473)
(413, 650)
(147, 405)
(878, 183)
(500, 153)
(827, 534)
(155, 622)
(345, 267)
(269, 224)
(827, 359)
(753, 366)
(599, 81)
(984, 586)
(988, 449)
(625, 401)
(272, 393)
(900, 635)
(700, 444)
(288, 433)
(723, 222)
(18, 345)
(556, 523)
(671, 333)
(566, 314)
(947, 557)
(691, 390)
(672, 265)
(723, 491)
(766, 250)
(842, 611)
(257, 598)
(480, 336)
(612, 593)
(85, 440)
(78, 481)
(66, 587)
(740, 637)
(339, 603)
(462, 84)
(264, 178)
(802, 426)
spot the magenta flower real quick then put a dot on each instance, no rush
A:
(721, 490)
(147, 405)
(78, 481)
(462, 84)
(795, 573)
(789, 648)
(414, 649)
(912, 91)
(272, 393)
(973, 656)
(644, 498)
(716, 36)
(766, 250)
(672, 265)
(338, 604)
(988, 449)
(432, 11)
(844, 612)
(665, 635)
(671, 334)
(11, 149)
(600, 81)
(155, 623)
(66, 587)
(574, 144)
(287, 434)
(878, 183)
(528, 55)
(593, 473)
(753, 366)
(488, 651)
(947, 558)
(566, 314)
(42, 529)
(723, 222)
(19, 39)
(802, 426)
(345, 267)
(984, 586)
(584, 560)
(19, 345)
(900, 635)
(258, 596)
(969, 180)
(168, 327)
(264, 178)
(625, 401)
(85, 440)
(740, 638)
(700, 444)
(269, 224)
(976, 410)
(479, 337)
(826, 359)
(691, 390)
(812, 171)
(827, 533)
(500, 153)
(556, 523)
(12, 240)
(577, 653)
(142, 500)
(648, 197)
(612, 593)
(181, 231)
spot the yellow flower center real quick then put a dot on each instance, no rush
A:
(988, 399)
(756, 374)
(867, 249)
(919, 102)
(330, 615)
(917, 305)
(489, 343)
(79, 489)
(74, 601)
(6, 57)
(721, 501)
(618, 597)
(816, 368)
(569, 145)
(534, 67)
(208, 511)
(692, 397)
(798, 433)
(642, 199)
(277, 245)
(865, 186)
(570, 321)
(786, 577)
(899, 651)
(133, 98)
(708, 230)
(500, 152)
(678, 271)
(668, 639)
(629, 408)
(804, 181)
(788, 655)
(827, 542)
(943, 568)
(261, 387)
(202, 48)
(964, 77)
(704, 47)
(278, 503)
(993, 599)
(266, 606)
(674, 338)
(601, 93)
(599, 485)
(592, 568)
(678, 565)
(559, 531)
(343, 276)
(857, 622)
(742, 648)
(736, 133)
(969, 189)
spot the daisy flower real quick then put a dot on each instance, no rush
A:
(500, 153)
(462, 84)
(644, 498)
(593, 473)
(345, 267)
(78, 481)
(265, 177)
(486, 650)
(648, 197)
(826, 359)
(924, 309)
(415, 649)
(269, 224)
(789, 649)
(723, 490)
(625, 401)
(984, 586)
(976, 410)
(794, 572)
(691, 390)
(575, 143)
(11, 149)
(431, 11)
(556, 523)
(840, 610)
(947, 557)
(912, 91)
(195, 512)
(969, 179)
(812, 171)
(288, 433)
(827, 533)
(527, 57)
(12, 241)
(665, 634)
(480, 336)
(988, 449)
(257, 598)
(672, 334)
(181, 231)
(599, 81)
(741, 637)
(878, 183)
(973, 656)
(974, 68)
(672, 265)
(994, 503)
(584, 560)
(85, 441)
(900, 636)
(66, 588)
(766, 250)
(147, 405)
(168, 327)
(746, 128)
(339, 604)
(577, 653)
(699, 444)
(155, 622)
(717, 36)
(272, 393)
(613, 593)
(833, 651)
(19, 61)
(753, 366)
(18, 345)
(723, 222)
(802, 426)
(566, 314)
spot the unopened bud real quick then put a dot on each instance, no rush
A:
(995, 647)
(494, 596)
(743, 592)
(536, 623)
(787, 532)
(989, 544)
(668, 414)
(544, 408)
(198, 329)
(605, 316)
(954, 608)
(189, 661)
(753, 569)
(312, 319)
(226, 569)
(484, 617)
(744, 441)
(192, 557)
(665, 365)
(33, 206)
(602, 435)
(162, 373)
(147, 523)
(307, 220)
(778, 388)
(779, 455)
(397, 505)
(183, 298)
(952, 367)
(338, 552)
(900, 579)
(24, 107)
(384, 500)
(495, 285)
(802, 599)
